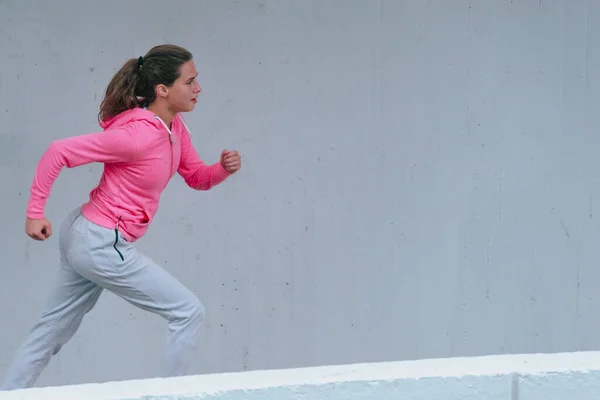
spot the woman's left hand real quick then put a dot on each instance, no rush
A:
(231, 160)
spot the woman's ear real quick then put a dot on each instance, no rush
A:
(161, 91)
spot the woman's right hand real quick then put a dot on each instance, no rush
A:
(38, 229)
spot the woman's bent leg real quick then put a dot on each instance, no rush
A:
(106, 259)
(149, 287)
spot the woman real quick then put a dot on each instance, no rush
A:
(143, 143)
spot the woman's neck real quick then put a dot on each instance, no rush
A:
(163, 113)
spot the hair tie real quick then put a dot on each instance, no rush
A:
(140, 62)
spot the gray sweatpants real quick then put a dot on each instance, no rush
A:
(91, 263)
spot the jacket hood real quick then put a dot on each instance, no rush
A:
(129, 116)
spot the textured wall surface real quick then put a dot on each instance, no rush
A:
(506, 377)
(419, 178)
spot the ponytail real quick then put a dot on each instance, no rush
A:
(133, 85)
(121, 93)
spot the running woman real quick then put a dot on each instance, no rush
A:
(144, 141)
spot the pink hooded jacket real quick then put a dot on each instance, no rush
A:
(140, 156)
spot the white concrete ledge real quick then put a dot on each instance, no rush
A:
(565, 376)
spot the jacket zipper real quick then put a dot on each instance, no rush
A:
(171, 172)
(170, 140)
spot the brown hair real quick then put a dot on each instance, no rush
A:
(133, 85)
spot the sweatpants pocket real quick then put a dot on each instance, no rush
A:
(116, 243)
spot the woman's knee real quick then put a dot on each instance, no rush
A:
(197, 310)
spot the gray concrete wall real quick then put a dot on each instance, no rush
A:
(419, 178)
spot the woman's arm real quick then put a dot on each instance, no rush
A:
(110, 146)
(194, 171)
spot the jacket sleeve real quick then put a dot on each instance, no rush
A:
(110, 146)
(194, 171)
